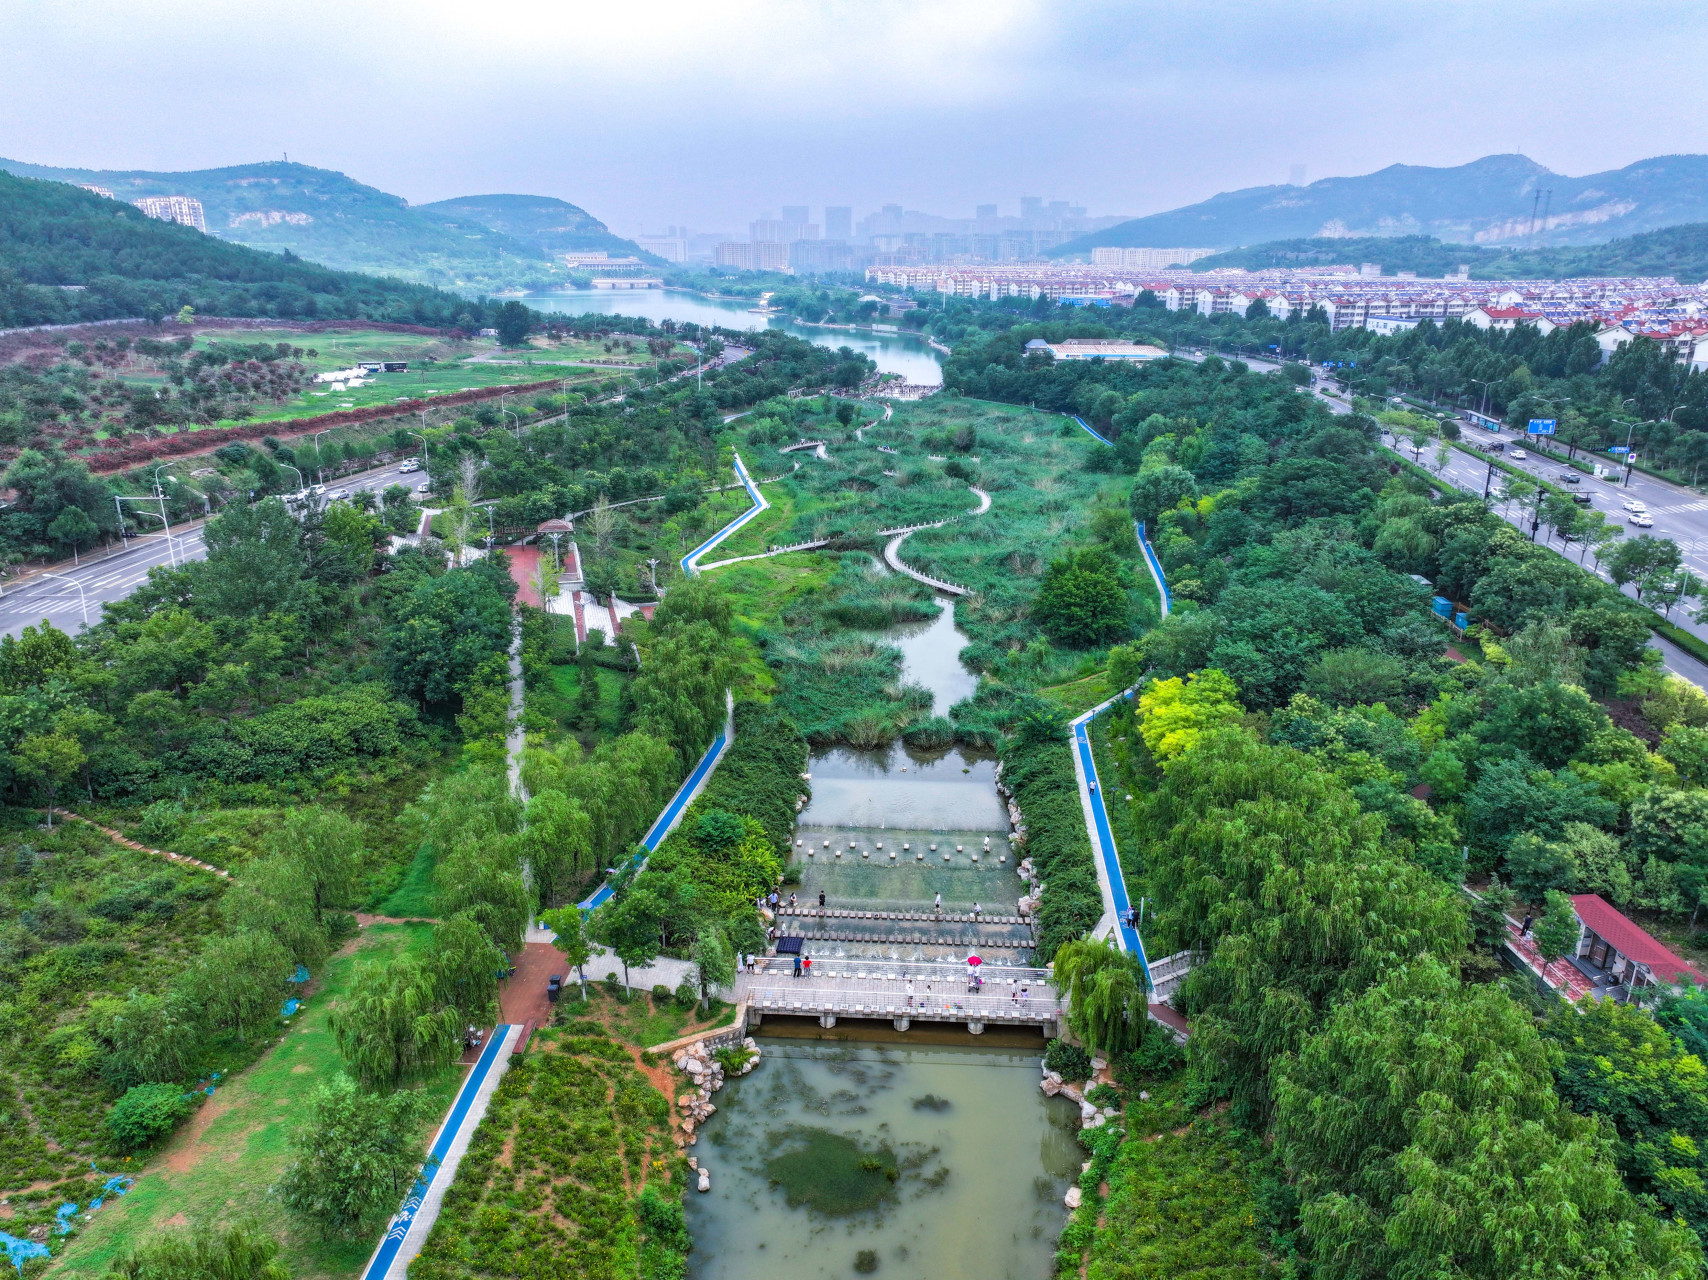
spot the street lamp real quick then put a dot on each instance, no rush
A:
(319, 471)
(652, 568)
(81, 597)
(423, 439)
(512, 414)
(301, 485)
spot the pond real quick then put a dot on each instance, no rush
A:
(838, 1159)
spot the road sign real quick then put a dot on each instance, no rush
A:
(1541, 427)
(1619, 448)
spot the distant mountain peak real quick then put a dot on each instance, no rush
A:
(1506, 198)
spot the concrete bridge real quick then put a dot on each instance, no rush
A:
(903, 993)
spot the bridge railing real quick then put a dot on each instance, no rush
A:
(880, 999)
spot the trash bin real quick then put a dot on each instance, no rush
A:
(554, 985)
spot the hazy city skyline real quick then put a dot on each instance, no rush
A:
(715, 118)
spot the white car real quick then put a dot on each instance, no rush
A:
(1635, 504)
(423, 487)
(317, 490)
(409, 467)
(1642, 519)
(338, 494)
(1518, 455)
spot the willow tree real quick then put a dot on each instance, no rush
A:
(1106, 992)
(240, 1252)
(395, 1027)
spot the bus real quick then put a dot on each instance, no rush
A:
(1475, 419)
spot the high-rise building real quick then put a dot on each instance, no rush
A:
(186, 210)
(672, 248)
(984, 211)
(838, 222)
(759, 255)
(796, 213)
(1031, 208)
(814, 257)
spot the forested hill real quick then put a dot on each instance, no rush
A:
(1681, 252)
(1493, 200)
(546, 225)
(68, 255)
(329, 217)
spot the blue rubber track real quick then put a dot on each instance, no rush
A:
(691, 561)
(667, 819)
(1090, 430)
(1103, 835)
(400, 1225)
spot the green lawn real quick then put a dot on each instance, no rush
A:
(773, 525)
(642, 1021)
(221, 1165)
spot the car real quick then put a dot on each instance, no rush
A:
(1635, 504)
(1642, 519)
(340, 493)
(317, 490)
(423, 487)
(1518, 455)
(1582, 499)
(409, 467)
(1570, 477)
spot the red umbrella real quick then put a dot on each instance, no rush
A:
(974, 960)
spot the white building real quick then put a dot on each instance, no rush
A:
(185, 210)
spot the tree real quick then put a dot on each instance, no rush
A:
(465, 968)
(49, 760)
(355, 1158)
(513, 322)
(240, 1252)
(147, 1112)
(1081, 602)
(629, 925)
(556, 843)
(571, 938)
(1106, 993)
(239, 980)
(714, 960)
(327, 846)
(1354, 675)
(1160, 488)
(73, 528)
(1423, 1132)
(393, 1026)
(275, 895)
(1558, 930)
(1641, 558)
(1175, 713)
(255, 558)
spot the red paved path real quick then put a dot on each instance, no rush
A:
(524, 564)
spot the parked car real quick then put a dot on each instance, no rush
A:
(1570, 477)
(1642, 519)
(1582, 499)
(554, 985)
(1518, 455)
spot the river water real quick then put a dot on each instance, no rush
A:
(981, 1158)
(911, 357)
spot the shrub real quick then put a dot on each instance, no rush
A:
(162, 822)
(146, 1113)
(660, 992)
(1068, 1061)
(687, 995)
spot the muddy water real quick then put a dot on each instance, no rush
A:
(983, 1160)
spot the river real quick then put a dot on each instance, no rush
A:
(859, 1150)
(912, 357)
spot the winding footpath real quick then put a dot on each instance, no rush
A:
(892, 549)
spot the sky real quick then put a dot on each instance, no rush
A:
(709, 115)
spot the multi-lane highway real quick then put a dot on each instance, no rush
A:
(115, 577)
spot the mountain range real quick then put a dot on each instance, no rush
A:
(472, 244)
(1501, 200)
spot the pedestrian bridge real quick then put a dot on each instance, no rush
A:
(902, 993)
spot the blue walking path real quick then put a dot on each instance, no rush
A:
(408, 1230)
(1095, 434)
(691, 561)
(1155, 566)
(666, 821)
(1116, 903)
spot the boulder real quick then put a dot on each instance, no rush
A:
(705, 1179)
(1099, 1064)
(1050, 1087)
(1071, 1199)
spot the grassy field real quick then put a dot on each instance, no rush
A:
(220, 1166)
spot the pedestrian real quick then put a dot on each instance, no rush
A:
(910, 993)
(821, 899)
(806, 965)
(1525, 931)
(987, 844)
(797, 965)
(939, 904)
(975, 911)
(791, 902)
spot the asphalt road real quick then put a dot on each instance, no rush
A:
(115, 577)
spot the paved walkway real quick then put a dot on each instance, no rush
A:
(691, 561)
(118, 837)
(517, 739)
(892, 549)
(409, 1228)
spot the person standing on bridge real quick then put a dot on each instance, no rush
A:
(821, 901)
(939, 904)
(806, 965)
(976, 910)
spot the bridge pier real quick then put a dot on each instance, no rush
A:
(975, 1028)
(827, 1020)
(902, 1024)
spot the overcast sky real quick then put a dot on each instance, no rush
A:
(711, 114)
